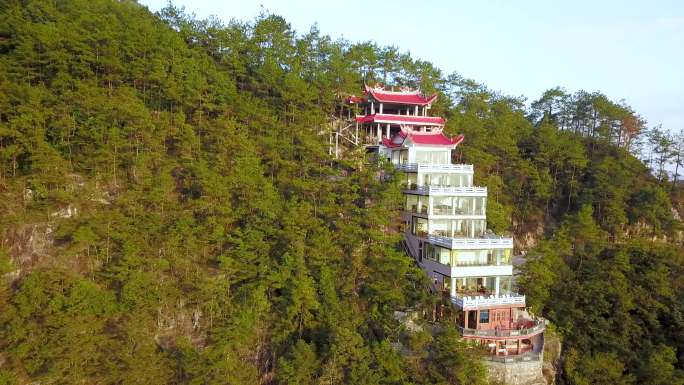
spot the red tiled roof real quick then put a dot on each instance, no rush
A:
(435, 140)
(407, 97)
(423, 139)
(402, 119)
(355, 99)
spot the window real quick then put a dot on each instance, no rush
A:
(434, 157)
(412, 203)
(484, 316)
(505, 285)
(442, 206)
(420, 226)
(403, 156)
(411, 180)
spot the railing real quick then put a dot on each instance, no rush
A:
(453, 243)
(424, 190)
(413, 167)
(530, 356)
(538, 327)
(491, 261)
(442, 210)
(492, 300)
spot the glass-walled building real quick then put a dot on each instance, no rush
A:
(446, 205)
(445, 221)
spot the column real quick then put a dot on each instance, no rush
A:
(496, 286)
(372, 108)
(453, 287)
(387, 130)
(465, 321)
(430, 203)
(379, 133)
(381, 108)
(477, 319)
(416, 112)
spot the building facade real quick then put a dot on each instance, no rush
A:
(445, 218)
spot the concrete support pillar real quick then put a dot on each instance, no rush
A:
(430, 204)
(477, 319)
(381, 108)
(453, 286)
(387, 131)
(372, 108)
(465, 319)
(356, 134)
(416, 112)
(337, 145)
(496, 286)
(379, 137)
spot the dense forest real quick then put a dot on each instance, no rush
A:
(170, 213)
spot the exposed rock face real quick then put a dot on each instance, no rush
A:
(27, 245)
(524, 241)
(552, 354)
(66, 212)
(177, 321)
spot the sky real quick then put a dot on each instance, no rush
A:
(631, 50)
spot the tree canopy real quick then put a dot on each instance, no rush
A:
(170, 212)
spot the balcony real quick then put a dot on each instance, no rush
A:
(446, 210)
(478, 301)
(446, 190)
(429, 167)
(442, 210)
(525, 329)
(470, 243)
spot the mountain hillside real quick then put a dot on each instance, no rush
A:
(171, 214)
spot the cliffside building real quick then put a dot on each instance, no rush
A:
(445, 218)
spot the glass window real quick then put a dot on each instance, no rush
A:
(424, 202)
(432, 157)
(420, 226)
(412, 203)
(442, 206)
(505, 285)
(429, 251)
(411, 180)
(478, 228)
(479, 206)
(460, 228)
(484, 316)
(403, 156)
(502, 256)
(441, 228)
(443, 255)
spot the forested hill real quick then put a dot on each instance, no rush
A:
(170, 213)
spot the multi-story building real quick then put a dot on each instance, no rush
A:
(445, 218)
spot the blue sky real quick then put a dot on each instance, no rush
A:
(632, 50)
